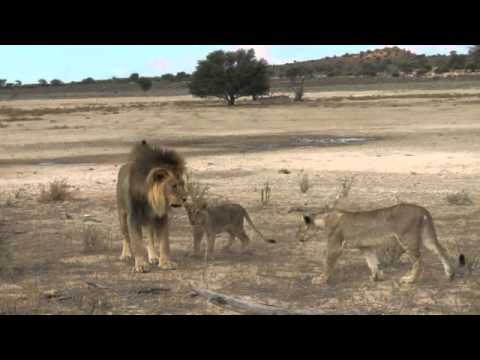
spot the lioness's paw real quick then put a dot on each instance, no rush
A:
(140, 266)
(167, 264)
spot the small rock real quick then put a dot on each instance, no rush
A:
(284, 171)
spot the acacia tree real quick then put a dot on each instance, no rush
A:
(230, 75)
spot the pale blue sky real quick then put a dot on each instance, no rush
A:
(28, 63)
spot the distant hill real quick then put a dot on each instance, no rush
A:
(389, 61)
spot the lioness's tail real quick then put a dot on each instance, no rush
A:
(272, 241)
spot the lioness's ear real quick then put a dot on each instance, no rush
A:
(307, 219)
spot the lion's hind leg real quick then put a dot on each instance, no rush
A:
(411, 243)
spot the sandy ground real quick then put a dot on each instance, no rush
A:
(416, 146)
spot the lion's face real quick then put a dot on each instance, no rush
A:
(175, 192)
(165, 189)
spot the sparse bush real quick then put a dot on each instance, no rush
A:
(168, 77)
(57, 191)
(459, 198)
(197, 192)
(296, 74)
(265, 193)
(93, 240)
(56, 82)
(304, 183)
(88, 80)
(346, 186)
(144, 83)
(134, 77)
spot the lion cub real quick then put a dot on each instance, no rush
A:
(213, 220)
(410, 225)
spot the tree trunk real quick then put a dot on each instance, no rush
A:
(231, 100)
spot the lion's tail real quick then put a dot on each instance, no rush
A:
(249, 220)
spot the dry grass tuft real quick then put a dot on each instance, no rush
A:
(58, 190)
(93, 240)
(459, 198)
(304, 183)
(265, 193)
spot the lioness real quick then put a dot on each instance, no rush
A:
(410, 225)
(213, 220)
(148, 185)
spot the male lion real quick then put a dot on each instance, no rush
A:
(410, 225)
(147, 186)
(213, 220)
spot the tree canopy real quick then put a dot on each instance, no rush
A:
(230, 75)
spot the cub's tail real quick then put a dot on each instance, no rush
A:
(271, 241)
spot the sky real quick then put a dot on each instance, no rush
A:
(29, 63)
